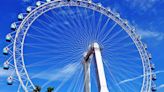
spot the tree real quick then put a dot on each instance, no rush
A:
(50, 89)
(37, 89)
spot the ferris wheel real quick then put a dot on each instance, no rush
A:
(77, 46)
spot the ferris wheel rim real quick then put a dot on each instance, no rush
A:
(71, 4)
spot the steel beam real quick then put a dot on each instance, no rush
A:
(94, 50)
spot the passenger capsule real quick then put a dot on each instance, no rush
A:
(8, 37)
(13, 26)
(145, 46)
(152, 66)
(154, 88)
(38, 3)
(138, 37)
(89, 1)
(29, 9)
(150, 56)
(117, 15)
(10, 80)
(6, 51)
(154, 76)
(48, 0)
(132, 29)
(20, 16)
(6, 65)
(126, 22)
(108, 8)
(99, 6)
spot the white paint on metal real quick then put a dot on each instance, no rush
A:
(100, 69)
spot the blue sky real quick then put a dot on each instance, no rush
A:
(146, 15)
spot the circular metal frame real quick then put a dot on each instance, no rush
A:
(22, 30)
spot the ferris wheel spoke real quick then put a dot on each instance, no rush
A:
(74, 74)
(84, 23)
(81, 84)
(72, 18)
(61, 26)
(118, 40)
(41, 38)
(113, 78)
(40, 46)
(65, 17)
(104, 26)
(130, 55)
(65, 80)
(116, 34)
(126, 48)
(131, 60)
(44, 52)
(39, 30)
(44, 62)
(44, 40)
(41, 63)
(89, 21)
(122, 70)
(98, 25)
(81, 20)
(109, 31)
(131, 73)
(45, 25)
(36, 44)
(77, 21)
(122, 63)
(118, 76)
(93, 74)
(42, 32)
(76, 18)
(77, 82)
(57, 33)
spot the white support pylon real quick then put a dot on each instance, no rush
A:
(87, 84)
(100, 69)
(95, 49)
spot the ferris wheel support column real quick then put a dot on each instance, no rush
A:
(87, 87)
(100, 69)
(86, 63)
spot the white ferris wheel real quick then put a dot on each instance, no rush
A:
(77, 46)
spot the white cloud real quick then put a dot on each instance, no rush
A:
(151, 34)
(58, 74)
(135, 78)
(5, 73)
(161, 86)
(26, 1)
(131, 79)
(142, 4)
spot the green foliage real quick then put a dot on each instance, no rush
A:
(50, 89)
(37, 89)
